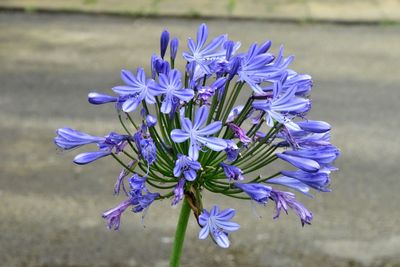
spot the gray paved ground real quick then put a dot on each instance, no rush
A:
(49, 212)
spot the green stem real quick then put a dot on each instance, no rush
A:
(180, 234)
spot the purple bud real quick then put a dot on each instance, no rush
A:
(232, 172)
(88, 157)
(174, 47)
(314, 126)
(113, 216)
(307, 165)
(257, 192)
(231, 150)
(164, 39)
(151, 120)
(178, 192)
(98, 99)
(239, 133)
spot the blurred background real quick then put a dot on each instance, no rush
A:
(52, 53)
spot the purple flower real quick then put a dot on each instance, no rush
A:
(151, 120)
(120, 180)
(99, 99)
(202, 54)
(141, 202)
(232, 172)
(137, 183)
(186, 165)
(282, 105)
(178, 192)
(164, 39)
(231, 150)
(256, 191)
(158, 65)
(234, 113)
(257, 66)
(204, 93)
(240, 133)
(197, 135)
(174, 48)
(113, 216)
(145, 145)
(135, 90)
(218, 225)
(170, 86)
(285, 200)
(314, 126)
(319, 180)
(291, 183)
(310, 159)
(68, 139)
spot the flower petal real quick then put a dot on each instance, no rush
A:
(213, 143)
(179, 136)
(210, 129)
(200, 117)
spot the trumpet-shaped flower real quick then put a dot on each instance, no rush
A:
(282, 105)
(286, 200)
(170, 86)
(218, 225)
(187, 166)
(257, 191)
(135, 89)
(198, 135)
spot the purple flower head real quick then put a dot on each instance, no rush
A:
(286, 200)
(218, 225)
(135, 90)
(198, 135)
(99, 99)
(164, 40)
(178, 192)
(232, 172)
(151, 120)
(232, 150)
(174, 48)
(256, 191)
(202, 54)
(240, 133)
(170, 86)
(113, 216)
(282, 106)
(187, 166)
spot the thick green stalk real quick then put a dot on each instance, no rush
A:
(180, 234)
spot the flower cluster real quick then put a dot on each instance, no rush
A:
(215, 126)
